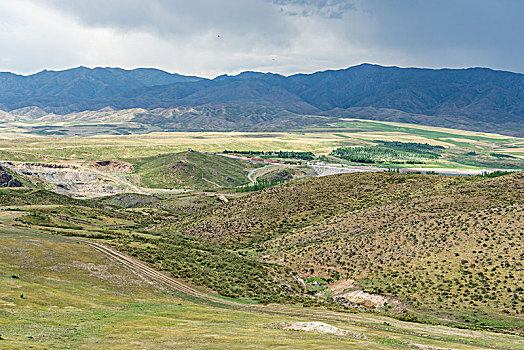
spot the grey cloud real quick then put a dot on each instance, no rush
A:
(208, 38)
(334, 9)
(179, 18)
(444, 32)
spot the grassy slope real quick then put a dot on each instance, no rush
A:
(280, 210)
(134, 231)
(451, 255)
(431, 240)
(192, 170)
(33, 196)
(74, 297)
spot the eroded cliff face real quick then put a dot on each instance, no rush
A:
(72, 180)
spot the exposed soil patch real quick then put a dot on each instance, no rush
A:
(70, 179)
(346, 292)
(318, 327)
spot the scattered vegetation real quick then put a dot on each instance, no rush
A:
(84, 300)
(446, 248)
(429, 240)
(229, 273)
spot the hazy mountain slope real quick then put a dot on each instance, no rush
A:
(476, 92)
(477, 98)
(513, 127)
(223, 90)
(227, 116)
(77, 86)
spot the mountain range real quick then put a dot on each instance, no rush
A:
(478, 99)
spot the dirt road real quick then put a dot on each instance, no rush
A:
(252, 172)
(153, 276)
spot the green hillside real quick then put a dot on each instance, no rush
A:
(191, 170)
(444, 249)
(447, 247)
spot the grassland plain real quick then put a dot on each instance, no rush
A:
(448, 249)
(75, 297)
(459, 144)
(159, 161)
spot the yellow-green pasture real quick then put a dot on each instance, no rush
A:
(57, 293)
(351, 132)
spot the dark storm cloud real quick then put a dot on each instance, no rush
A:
(448, 32)
(226, 36)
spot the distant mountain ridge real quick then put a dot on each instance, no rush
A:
(48, 89)
(475, 98)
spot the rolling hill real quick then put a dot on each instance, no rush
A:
(448, 247)
(430, 248)
(192, 170)
(75, 296)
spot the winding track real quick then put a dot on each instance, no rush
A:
(252, 172)
(160, 280)
(153, 276)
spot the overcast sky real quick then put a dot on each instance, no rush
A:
(212, 37)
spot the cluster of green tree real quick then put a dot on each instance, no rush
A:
(432, 152)
(260, 185)
(395, 152)
(275, 154)
(496, 173)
